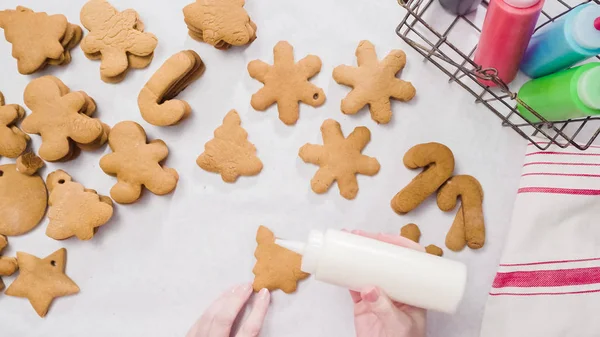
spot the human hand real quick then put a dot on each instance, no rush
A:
(376, 315)
(218, 319)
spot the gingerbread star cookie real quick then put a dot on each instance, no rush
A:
(74, 210)
(230, 153)
(340, 159)
(374, 82)
(136, 163)
(13, 141)
(276, 267)
(286, 83)
(221, 23)
(8, 265)
(42, 280)
(113, 36)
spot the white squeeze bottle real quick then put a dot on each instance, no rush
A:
(404, 274)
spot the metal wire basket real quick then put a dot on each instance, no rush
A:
(452, 55)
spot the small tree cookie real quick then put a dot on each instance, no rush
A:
(74, 210)
(221, 23)
(276, 267)
(135, 163)
(286, 83)
(374, 82)
(230, 153)
(340, 159)
(13, 141)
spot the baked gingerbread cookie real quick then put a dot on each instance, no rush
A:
(374, 82)
(23, 198)
(42, 280)
(468, 227)
(28, 163)
(412, 232)
(136, 163)
(286, 83)
(8, 265)
(113, 36)
(276, 267)
(13, 141)
(156, 101)
(39, 39)
(230, 153)
(220, 23)
(437, 162)
(60, 117)
(74, 210)
(340, 159)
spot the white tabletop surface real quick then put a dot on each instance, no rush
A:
(157, 265)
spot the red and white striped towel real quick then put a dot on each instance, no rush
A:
(548, 281)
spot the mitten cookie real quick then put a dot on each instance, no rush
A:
(28, 163)
(59, 117)
(8, 265)
(221, 23)
(340, 159)
(13, 141)
(413, 233)
(38, 38)
(74, 210)
(468, 226)
(374, 82)
(286, 83)
(276, 267)
(230, 153)
(156, 101)
(438, 163)
(23, 200)
(113, 35)
(42, 280)
(135, 163)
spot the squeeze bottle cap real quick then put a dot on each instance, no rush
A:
(522, 3)
(588, 88)
(585, 32)
(310, 251)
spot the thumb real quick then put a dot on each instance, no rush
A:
(393, 320)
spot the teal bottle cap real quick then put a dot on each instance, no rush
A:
(585, 32)
(588, 88)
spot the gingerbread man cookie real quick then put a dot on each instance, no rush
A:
(230, 153)
(74, 210)
(286, 83)
(8, 265)
(136, 163)
(42, 280)
(276, 267)
(113, 35)
(13, 141)
(374, 82)
(340, 159)
(55, 115)
(221, 23)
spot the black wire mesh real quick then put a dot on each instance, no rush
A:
(450, 53)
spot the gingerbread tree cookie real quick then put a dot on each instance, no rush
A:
(135, 163)
(38, 38)
(13, 141)
(286, 83)
(42, 280)
(230, 153)
(55, 115)
(74, 210)
(221, 23)
(340, 159)
(276, 267)
(113, 35)
(8, 265)
(374, 82)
